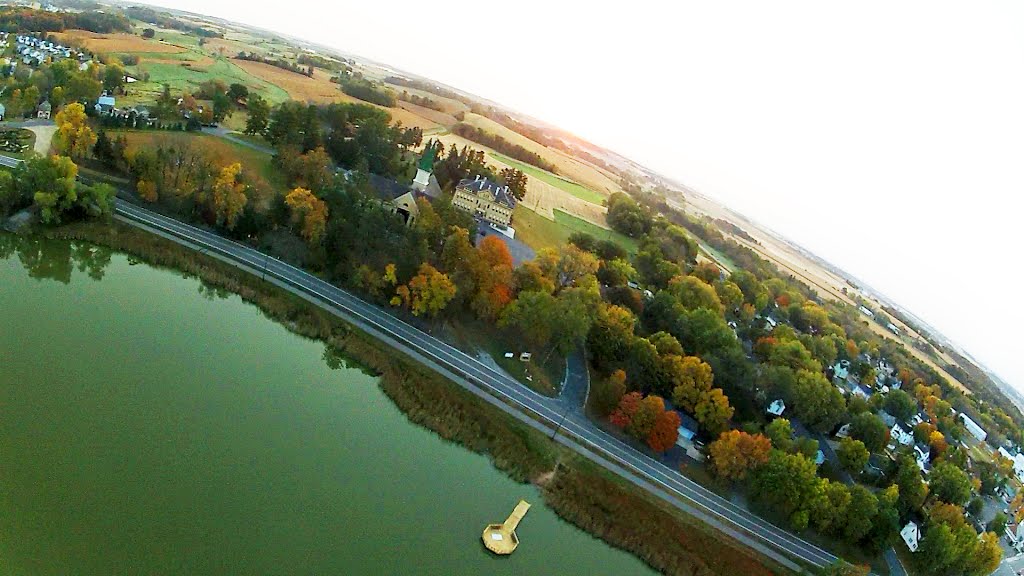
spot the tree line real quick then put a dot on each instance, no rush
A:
(495, 142)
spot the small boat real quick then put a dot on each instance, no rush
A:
(502, 538)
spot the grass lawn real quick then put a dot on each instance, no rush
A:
(720, 259)
(538, 232)
(555, 180)
(542, 376)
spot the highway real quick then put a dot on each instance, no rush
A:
(539, 411)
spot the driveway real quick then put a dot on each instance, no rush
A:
(576, 385)
(520, 252)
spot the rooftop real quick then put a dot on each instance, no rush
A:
(500, 192)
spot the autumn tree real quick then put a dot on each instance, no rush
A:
(693, 293)
(645, 417)
(734, 454)
(713, 411)
(309, 213)
(74, 137)
(51, 183)
(900, 404)
(690, 378)
(780, 432)
(430, 291)
(228, 196)
(789, 483)
(665, 432)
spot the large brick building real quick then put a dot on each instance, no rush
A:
(485, 199)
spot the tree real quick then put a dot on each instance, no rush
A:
(861, 514)
(97, 199)
(113, 77)
(74, 136)
(690, 378)
(900, 404)
(997, 524)
(628, 405)
(871, 430)
(228, 196)
(853, 455)
(645, 417)
(50, 182)
(237, 92)
(259, 115)
(57, 96)
(83, 88)
(430, 291)
(780, 433)
(532, 313)
(148, 33)
(734, 454)
(912, 491)
(713, 411)
(665, 432)
(788, 482)
(817, 402)
(309, 212)
(949, 483)
(608, 392)
(693, 293)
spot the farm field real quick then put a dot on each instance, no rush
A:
(571, 168)
(180, 77)
(110, 43)
(446, 120)
(539, 232)
(569, 186)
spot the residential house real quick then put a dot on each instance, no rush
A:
(911, 534)
(1017, 460)
(687, 433)
(898, 434)
(841, 370)
(844, 431)
(777, 407)
(44, 109)
(105, 105)
(923, 456)
(485, 199)
(972, 427)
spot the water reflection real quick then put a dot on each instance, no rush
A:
(46, 259)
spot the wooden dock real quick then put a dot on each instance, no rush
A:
(502, 538)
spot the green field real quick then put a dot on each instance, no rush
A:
(181, 78)
(569, 186)
(538, 232)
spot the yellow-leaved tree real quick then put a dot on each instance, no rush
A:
(74, 137)
(309, 212)
(228, 195)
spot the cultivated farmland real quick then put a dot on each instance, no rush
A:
(106, 43)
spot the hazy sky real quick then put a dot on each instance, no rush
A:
(888, 137)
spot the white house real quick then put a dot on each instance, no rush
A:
(972, 427)
(898, 434)
(911, 535)
(842, 369)
(865, 311)
(923, 456)
(844, 431)
(1016, 459)
(892, 328)
(777, 407)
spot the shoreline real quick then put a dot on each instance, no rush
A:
(588, 497)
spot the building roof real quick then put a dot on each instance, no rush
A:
(688, 427)
(387, 188)
(105, 101)
(499, 192)
(45, 106)
(777, 407)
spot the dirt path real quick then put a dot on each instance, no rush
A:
(44, 136)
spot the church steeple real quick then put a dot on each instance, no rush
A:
(424, 168)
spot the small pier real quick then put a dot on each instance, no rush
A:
(501, 538)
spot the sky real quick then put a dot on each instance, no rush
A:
(886, 137)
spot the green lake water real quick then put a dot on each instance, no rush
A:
(149, 425)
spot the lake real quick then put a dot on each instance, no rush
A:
(152, 425)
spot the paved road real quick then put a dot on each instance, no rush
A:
(576, 385)
(499, 389)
